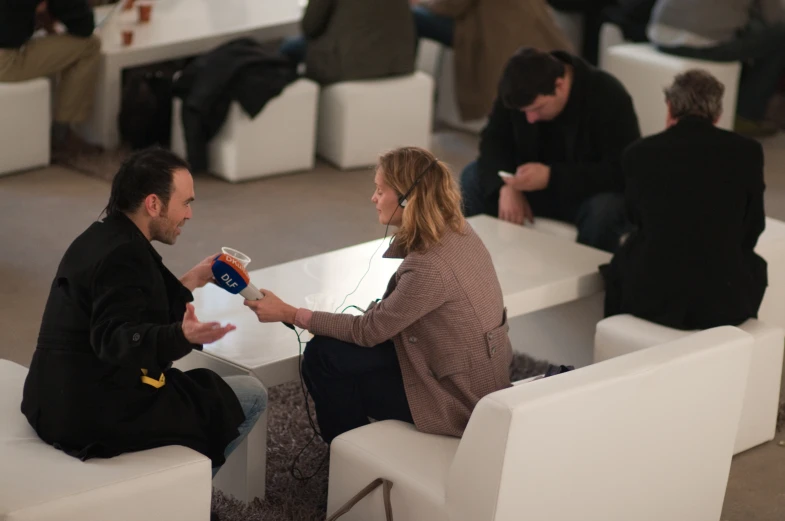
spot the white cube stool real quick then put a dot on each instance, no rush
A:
(280, 139)
(437, 61)
(645, 72)
(25, 125)
(572, 23)
(624, 334)
(611, 35)
(771, 246)
(447, 111)
(41, 483)
(359, 120)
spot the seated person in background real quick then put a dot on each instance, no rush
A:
(727, 31)
(590, 13)
(695, 194)
(631, 16)
(560, 125)
(346, 40)
(75, 56)
(484, 35)
(101, 381)
(437, 342)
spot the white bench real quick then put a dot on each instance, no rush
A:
(280, 139)
(360, 120)
(25, 125)
(645, 72)
(635, 437)
(624, 334)
(41, 483)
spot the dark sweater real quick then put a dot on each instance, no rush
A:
(17, 19)
(583, 145)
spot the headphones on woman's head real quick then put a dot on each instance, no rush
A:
(402, 199)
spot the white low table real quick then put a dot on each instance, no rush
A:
(177, 29)
(552, 290)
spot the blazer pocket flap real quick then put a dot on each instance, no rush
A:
(496, 339)
(449, 365)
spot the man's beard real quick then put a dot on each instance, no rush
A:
(163, 230)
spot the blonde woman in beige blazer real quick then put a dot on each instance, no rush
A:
(437, 341)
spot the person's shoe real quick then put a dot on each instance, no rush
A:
(553, 370)
(749, 128)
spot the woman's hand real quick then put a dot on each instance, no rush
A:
(199, 275)
(271, 308)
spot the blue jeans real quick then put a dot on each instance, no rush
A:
(763, 52)
(433, 26)
(294, 47)
(253, 399)
(601, 219)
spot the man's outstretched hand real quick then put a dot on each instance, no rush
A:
(202, 332)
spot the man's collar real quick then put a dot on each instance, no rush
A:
(577, 87)
(125, 223)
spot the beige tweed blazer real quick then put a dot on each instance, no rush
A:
(444, 311)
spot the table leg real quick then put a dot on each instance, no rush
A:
(562, 334)
(101, 126)
(245, 471)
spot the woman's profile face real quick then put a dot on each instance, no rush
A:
(386, 200)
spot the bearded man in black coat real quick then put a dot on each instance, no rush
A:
(101, 381)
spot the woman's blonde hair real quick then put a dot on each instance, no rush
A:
(434, 203)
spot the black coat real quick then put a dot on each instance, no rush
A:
(597, 124)
(113, 310)
(695, 193)
(632, 16)
(242, 70)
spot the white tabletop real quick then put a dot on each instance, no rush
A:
(176, 22)
(536, 271)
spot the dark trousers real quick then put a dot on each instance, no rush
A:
(601, 219)
(349, 384)
(433, 26)
(294, 48)
(763, 53)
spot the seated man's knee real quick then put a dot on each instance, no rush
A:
(93, 45)
(471, 190)
(601, 221)
(251, 393)
(604, 206)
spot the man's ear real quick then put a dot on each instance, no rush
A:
(153, 205)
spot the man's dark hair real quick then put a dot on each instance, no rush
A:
(528, 74)
(148, 171)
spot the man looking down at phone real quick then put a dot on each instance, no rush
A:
(559, 125)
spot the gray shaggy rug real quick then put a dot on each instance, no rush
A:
(288, 498)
